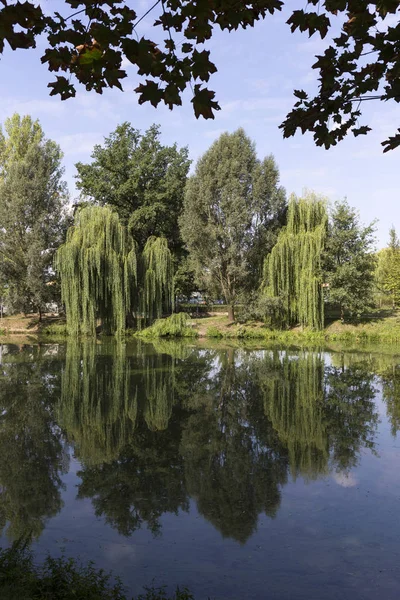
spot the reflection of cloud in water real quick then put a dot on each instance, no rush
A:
(346, 480)
(119, 552)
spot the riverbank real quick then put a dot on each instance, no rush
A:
(382, 327)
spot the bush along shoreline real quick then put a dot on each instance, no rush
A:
(65, 579)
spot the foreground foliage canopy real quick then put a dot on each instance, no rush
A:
(90, 40)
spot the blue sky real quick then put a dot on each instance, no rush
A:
(257, 71)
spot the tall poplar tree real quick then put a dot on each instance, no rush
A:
(232, 211)
(292, 272)
(32, 212)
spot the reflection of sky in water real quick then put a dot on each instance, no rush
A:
(335, 536)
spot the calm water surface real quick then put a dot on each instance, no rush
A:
(265, 474)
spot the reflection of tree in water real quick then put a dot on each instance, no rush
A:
(32, 456)
(350, 413)
(159, 394)
(98, 407)
(145, 481)
(233, 467)
(116, 408)
(225, 427)
(293, 401)
(390, 377)
(323, 415)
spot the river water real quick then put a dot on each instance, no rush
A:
(238, 472)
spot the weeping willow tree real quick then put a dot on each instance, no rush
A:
(292, 272)
(98, 407)
(98, 266)
(293, 390)
(98, 270)
(158, 292)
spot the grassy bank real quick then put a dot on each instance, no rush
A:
(31, 325)
(385, 329)
(381, 327)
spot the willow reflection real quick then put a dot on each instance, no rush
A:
(225, 427)
(98, 408)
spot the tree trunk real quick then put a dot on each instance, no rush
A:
(231, 312)
(342, 313)
(40, 314)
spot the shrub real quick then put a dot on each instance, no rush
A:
(214, 332)
(64, 579)
(177, 325)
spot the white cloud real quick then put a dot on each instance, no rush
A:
(34, 107)
(79, 143)
(346, 480)
(256, 104)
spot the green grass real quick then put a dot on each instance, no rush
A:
(64, 579)
(381, 328)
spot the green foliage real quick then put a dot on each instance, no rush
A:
(55, 579)
(349, 262)
(232, 211)
(57, 329)
(98, 266)
(158, 290)
(347, 78)
(65, 579)
(387, 274)
(142, 179)
(214, 332)
(184, 279)
(92, 47)
(177, 325)
(33, 222)
(292, 272)
(98, 270)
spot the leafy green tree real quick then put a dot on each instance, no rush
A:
(388, 269)
(32, 212)
(232, 211)
(292, 272)
(91, 47)
(98, 266)
(349, 261)
(142, 179)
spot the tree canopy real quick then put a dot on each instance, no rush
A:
(32, 202)
(349, 262)
(232, 210)
(89, 41)
(292, 272)
(142, 179)
(388, 269)
(103, 275)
